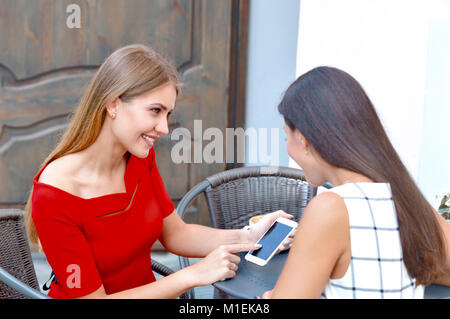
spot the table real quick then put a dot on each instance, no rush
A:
(252, 280)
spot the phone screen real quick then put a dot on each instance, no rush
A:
(271, 240)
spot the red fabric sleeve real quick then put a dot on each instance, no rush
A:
(164, 200)
(65, 246)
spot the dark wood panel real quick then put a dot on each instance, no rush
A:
(34, 37)
(25, 102)
(45, 67)
(238, 70)
(22, 150)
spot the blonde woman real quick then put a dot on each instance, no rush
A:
(98, 203)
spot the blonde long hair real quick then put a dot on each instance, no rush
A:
(127, 73)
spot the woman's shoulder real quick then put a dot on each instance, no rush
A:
(325, 209)
(324, 226)
(52, 191)
(55, 183)
(327, 200)
(57, 174)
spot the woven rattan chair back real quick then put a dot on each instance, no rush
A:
(15, 254)
(234, 196)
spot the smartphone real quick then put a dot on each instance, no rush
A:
(273, 237)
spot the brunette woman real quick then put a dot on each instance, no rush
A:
(373, 235)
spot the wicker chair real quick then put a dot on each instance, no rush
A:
(235, 195)
(17, 274)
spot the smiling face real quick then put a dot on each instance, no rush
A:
(137, 124)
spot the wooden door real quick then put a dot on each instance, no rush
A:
(46, 62)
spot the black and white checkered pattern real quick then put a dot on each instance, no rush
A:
(376, 268)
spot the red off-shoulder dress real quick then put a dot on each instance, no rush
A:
(102, 240)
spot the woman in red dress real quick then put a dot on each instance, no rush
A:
(98, 204)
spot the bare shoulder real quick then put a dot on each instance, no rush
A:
(57, 173)
(327, 207)
(327, 204)
(324, 226)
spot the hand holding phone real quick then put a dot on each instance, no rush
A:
(280, 230)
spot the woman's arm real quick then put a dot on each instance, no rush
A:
(192, 240)
(220, 264)
(168, 287)
(323, 236)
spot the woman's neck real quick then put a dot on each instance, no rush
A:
(104, 157)
(340, 176)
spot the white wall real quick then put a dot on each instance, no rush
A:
(272, 52)
(384, 45)
(434, 161)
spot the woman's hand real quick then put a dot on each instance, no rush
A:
(258, 229)
(267, 294)
(220, 264)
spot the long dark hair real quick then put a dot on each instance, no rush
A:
(334, 114)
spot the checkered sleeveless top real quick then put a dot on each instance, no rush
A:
(376, 268)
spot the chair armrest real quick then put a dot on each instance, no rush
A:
(163, 270)
(19, 286)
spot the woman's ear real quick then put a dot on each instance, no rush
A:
(112, 107)
(306, 146)
(303, 141)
